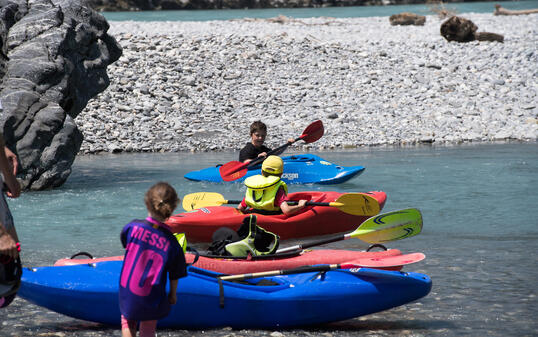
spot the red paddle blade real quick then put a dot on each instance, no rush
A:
(313, 132)
(233, 170)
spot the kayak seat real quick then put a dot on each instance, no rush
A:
(250, 239)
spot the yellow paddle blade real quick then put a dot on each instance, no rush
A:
(202, 199)
(357, 204)
(390, 226)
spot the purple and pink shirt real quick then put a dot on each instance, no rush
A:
(151, 254)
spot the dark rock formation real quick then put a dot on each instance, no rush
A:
(406, 18)
(58, 52)
(463, 30)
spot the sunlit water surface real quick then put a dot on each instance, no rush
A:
(480, 232)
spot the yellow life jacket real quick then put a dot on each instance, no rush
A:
(261, 192)
(256, 240)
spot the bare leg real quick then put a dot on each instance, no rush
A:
(128, 328)
(147, 328)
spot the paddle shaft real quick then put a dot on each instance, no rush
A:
(291, 203)
(259, 160)
(357, 233)
(276, 151)
(299, 270)
(234, 170)
(311, 244)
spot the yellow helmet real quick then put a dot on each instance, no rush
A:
(273, 165)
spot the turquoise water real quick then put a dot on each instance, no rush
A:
(462, 191)
(337, 12)
(480, 230)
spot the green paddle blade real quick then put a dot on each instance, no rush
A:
(390, 226)
(202, 199)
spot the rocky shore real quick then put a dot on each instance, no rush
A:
(196, 86)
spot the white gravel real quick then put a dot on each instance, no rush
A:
(197, 86)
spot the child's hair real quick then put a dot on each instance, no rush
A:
(161, 199)
(257, 126)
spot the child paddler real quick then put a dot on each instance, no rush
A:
(256, 148)
(267, 193)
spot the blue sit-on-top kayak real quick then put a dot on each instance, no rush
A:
(90, 292)
(298, 169)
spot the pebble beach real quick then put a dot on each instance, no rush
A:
(197, 86)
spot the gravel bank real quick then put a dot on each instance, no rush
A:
(196, 86)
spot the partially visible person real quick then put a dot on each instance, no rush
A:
(10, 185)
(152, 255)
(256, 148)
(267, 193)
(9, 245)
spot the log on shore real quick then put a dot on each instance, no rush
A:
(503, 11)
(406, 18)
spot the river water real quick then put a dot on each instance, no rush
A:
(480, 233)
(335, 12)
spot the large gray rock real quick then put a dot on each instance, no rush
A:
(53, 61)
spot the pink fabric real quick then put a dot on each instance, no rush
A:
(280, 197)
(158, 223)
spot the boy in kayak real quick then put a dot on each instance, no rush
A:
(151, 254)
(267, 193)
(255, 148)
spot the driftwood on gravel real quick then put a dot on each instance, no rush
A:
(282, 19)
(406, 18)
(463, 30)
(502, 11)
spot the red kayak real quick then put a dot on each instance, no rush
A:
(200, 224)
(391, 259)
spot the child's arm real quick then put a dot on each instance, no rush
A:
(242, 205)
(172, 297)
(288, 209)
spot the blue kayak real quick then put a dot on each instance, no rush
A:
(90, 292)
(298, 169)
